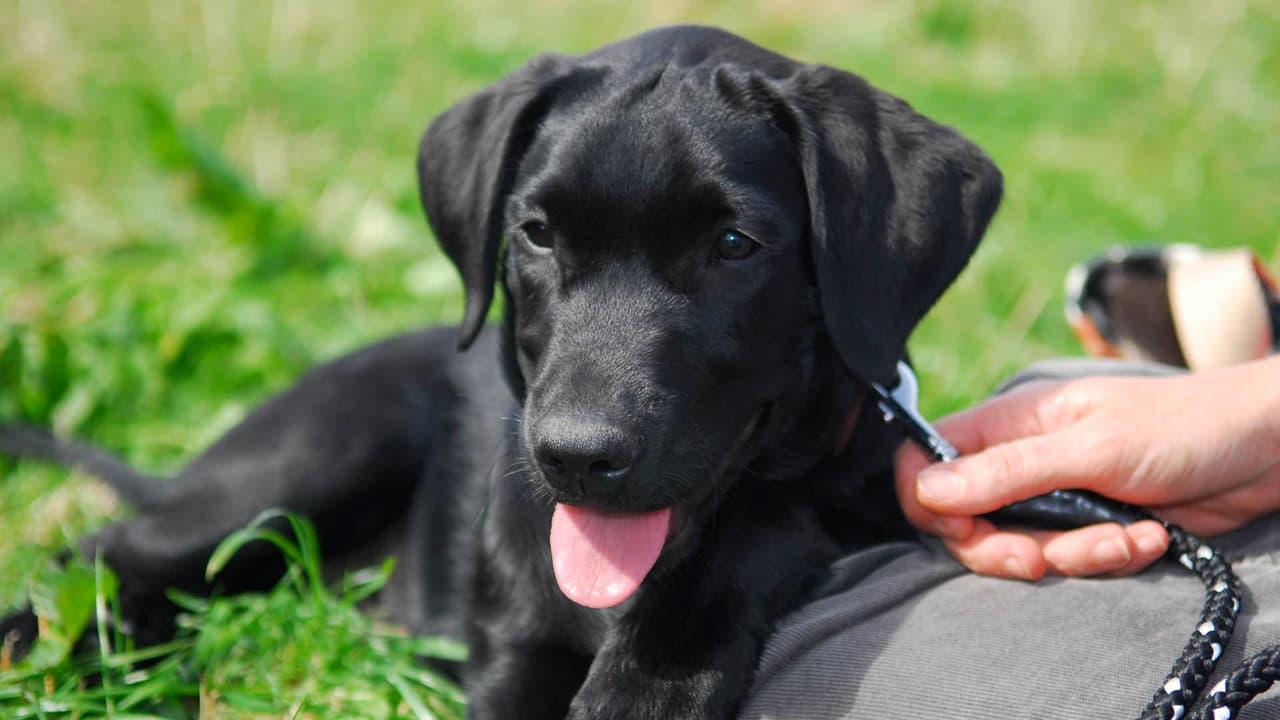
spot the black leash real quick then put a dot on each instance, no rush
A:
(1179, 698)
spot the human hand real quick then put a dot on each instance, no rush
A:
(1198, 450)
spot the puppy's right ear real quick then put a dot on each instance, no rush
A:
(466, 163)
(897, 205)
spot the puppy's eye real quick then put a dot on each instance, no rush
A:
(537, 233)
(735, 245)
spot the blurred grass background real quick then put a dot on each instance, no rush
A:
(202, 199)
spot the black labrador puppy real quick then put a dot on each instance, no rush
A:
(706, 251)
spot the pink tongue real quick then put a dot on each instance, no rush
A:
(601, 557)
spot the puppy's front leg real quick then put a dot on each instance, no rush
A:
(635, 679)
(690, 644)
(531, 681)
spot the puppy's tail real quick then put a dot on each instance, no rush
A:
(25, 441)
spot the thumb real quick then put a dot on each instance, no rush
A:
(1007, 472)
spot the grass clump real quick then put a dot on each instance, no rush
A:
(300, 650)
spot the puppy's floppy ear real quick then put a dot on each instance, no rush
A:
(467, 160)
(897, 205)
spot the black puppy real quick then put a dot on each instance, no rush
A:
(709, 250)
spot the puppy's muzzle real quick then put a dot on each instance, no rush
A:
(585, 457)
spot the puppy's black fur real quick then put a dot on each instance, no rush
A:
(709, 249)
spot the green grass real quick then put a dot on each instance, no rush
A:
(201, 200)
(302, 649)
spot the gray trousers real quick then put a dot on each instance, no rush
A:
(903, 631)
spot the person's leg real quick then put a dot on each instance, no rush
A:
(916, 637)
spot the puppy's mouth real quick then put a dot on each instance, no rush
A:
(600, 557)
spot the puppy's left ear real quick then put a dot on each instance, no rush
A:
(897, 205)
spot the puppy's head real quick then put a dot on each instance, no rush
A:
(697, 232)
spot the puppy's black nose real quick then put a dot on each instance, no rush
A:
(588, 457)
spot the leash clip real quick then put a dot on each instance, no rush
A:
(901, 405)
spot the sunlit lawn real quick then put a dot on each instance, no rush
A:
(200, 200)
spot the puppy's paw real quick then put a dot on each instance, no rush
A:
(632, 696)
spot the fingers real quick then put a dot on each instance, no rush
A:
(989, 551)
(1106, 549)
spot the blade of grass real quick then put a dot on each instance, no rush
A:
(104, 647)
(411, 698)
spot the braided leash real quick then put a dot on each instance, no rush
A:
(1250, 679)
(1191, 671)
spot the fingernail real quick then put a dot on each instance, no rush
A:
(940, 485)
(1015, 568)
(1149, 544)
(1111, 554)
